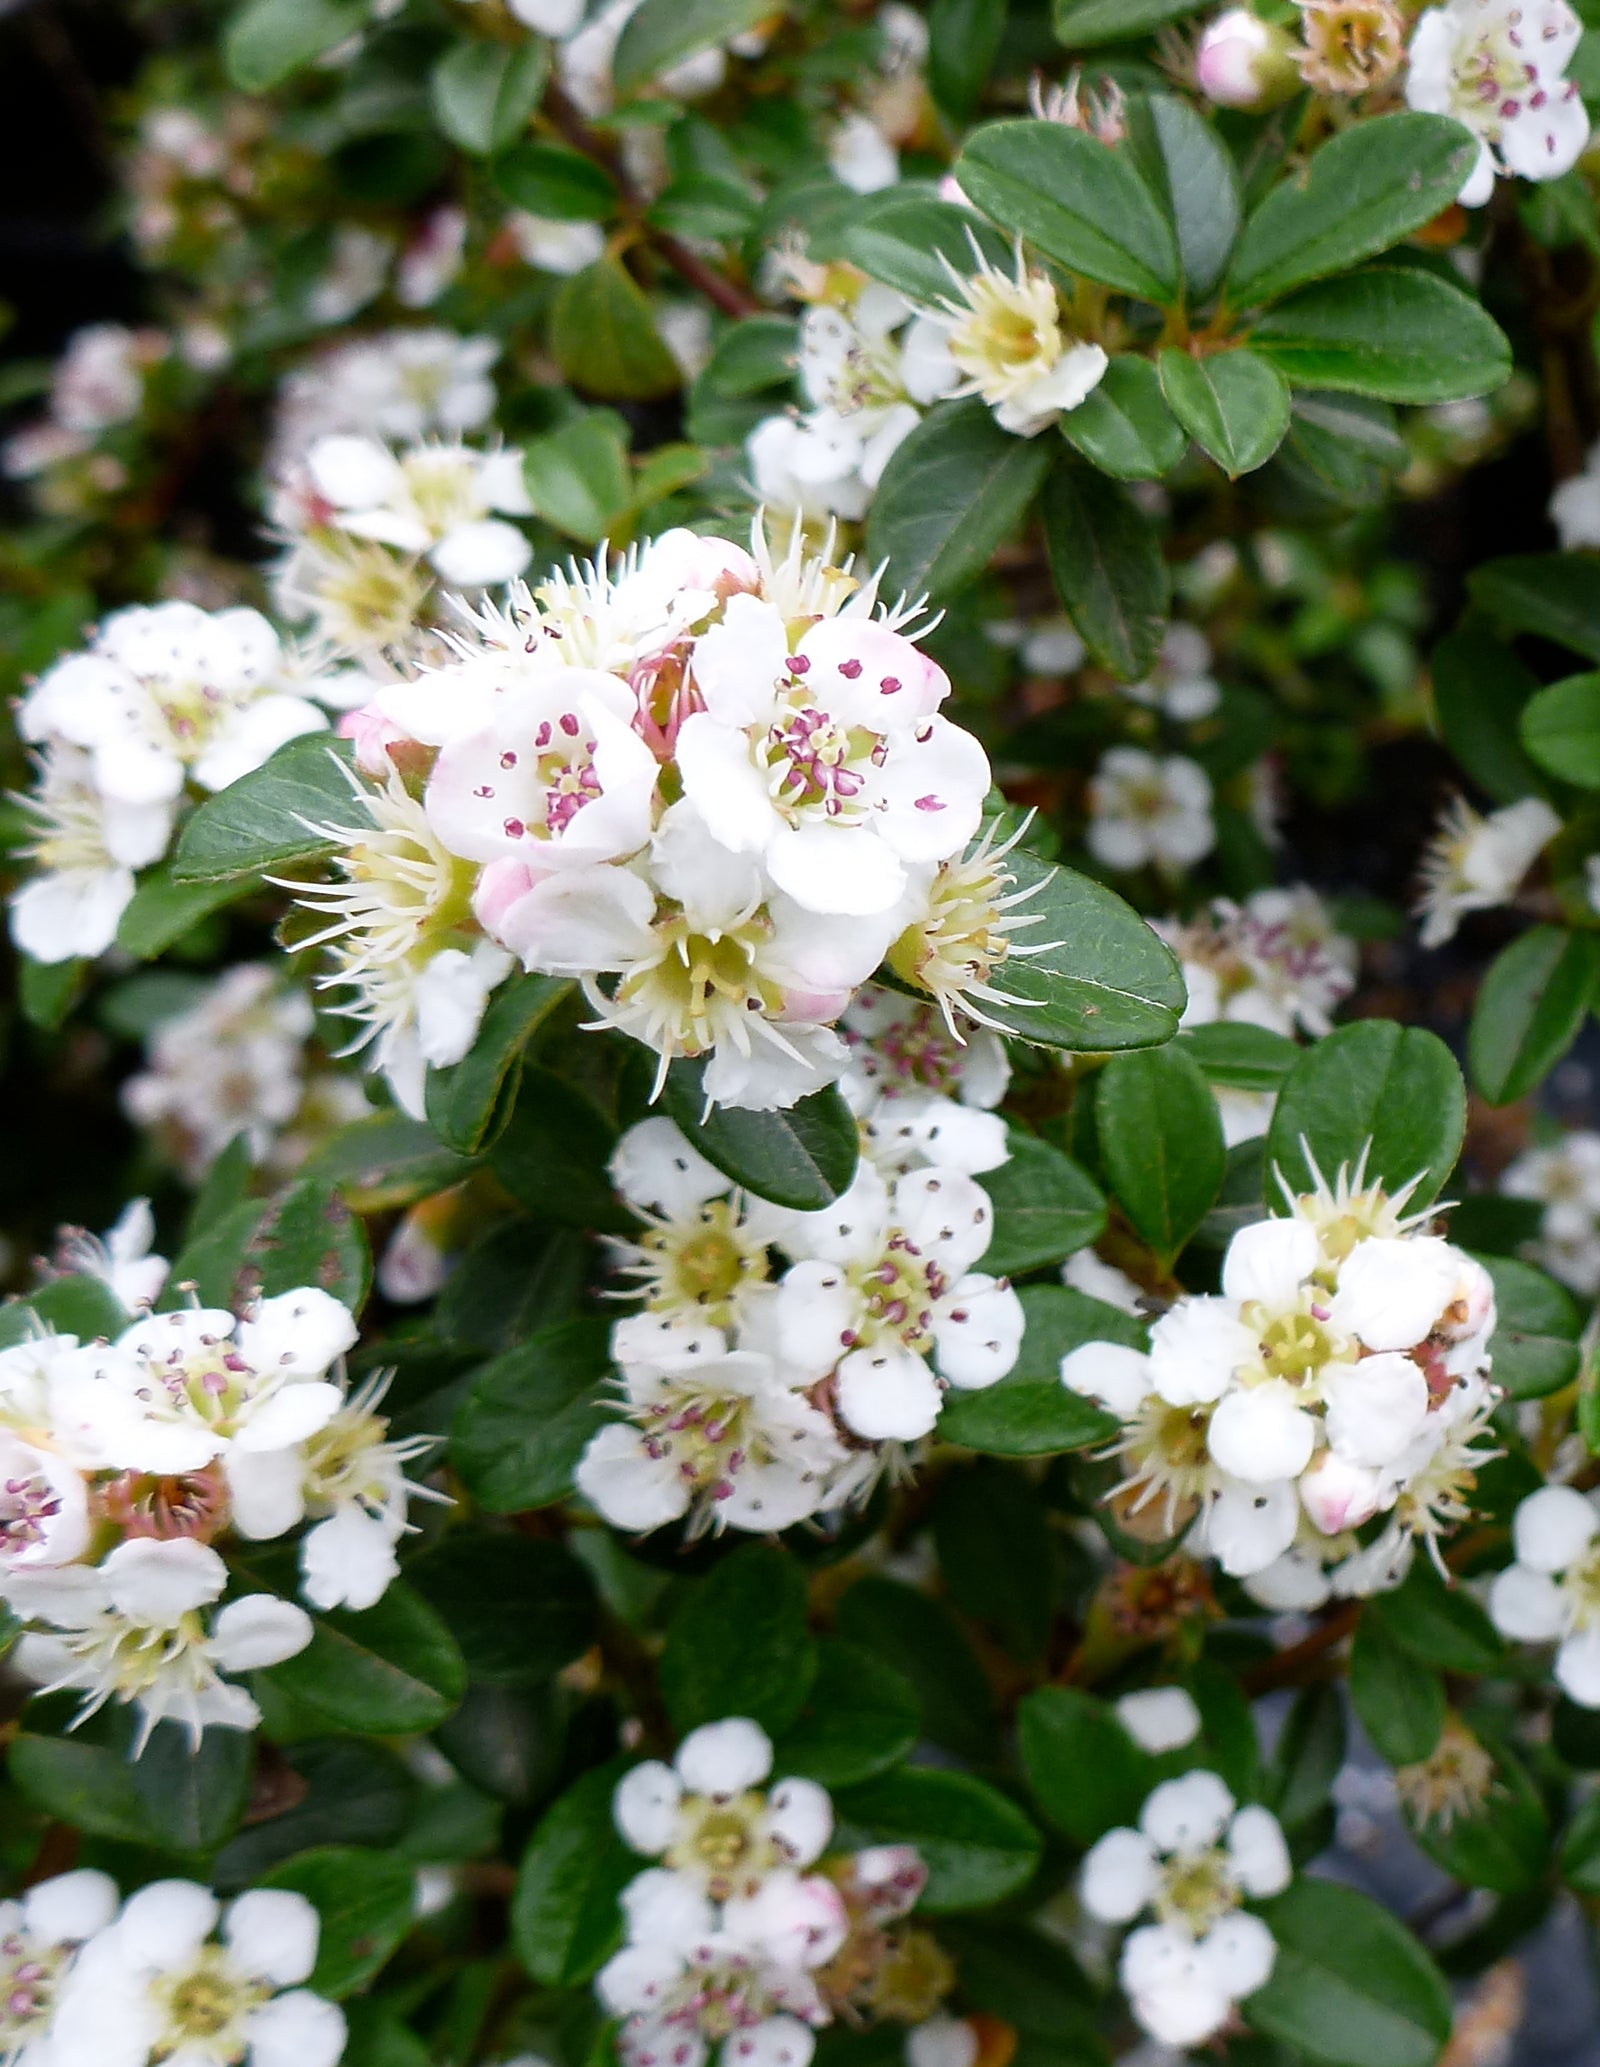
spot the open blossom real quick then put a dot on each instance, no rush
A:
(1551, 1593)
(1180, 685)
(1341, 1373)
(177, 1977)
(920, 1092)
(1274, 961)
(446, 502)
(1351, 46)
(1498, 67)
(85, 848)
(1565, 1179)
(1147, 809)
(1194, 1861)
(41, 1936)
(1002, 336)
(400, 386)
(1474, 863)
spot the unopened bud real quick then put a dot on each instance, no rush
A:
(1244, 62)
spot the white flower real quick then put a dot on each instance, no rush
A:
(1159, 1719)
(1180, 685)
(437, 500)
(158, 1985)
(99, 379)
(562, 248)
(711, 1429)
(121, 1259)
(168, 691)
(1274, 961)
(1146, 809)
(1002, 336)
(87, 847)
(1090, 1274)
(1194, 1860)
(132, 1629)
(1566, 1179)
(432, 259)
(1575, 505)
(401, 385)
(40, 1937)
(355, 275)
(700, 1259)
(826, 756)
(1497, 66)
(1551, 1594)
(861, 157)
(1474, 863)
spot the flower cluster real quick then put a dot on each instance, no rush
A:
(731, 1940)
(1149, 811)
(715, 787)
(164, 698)
(124, 1461)
(400, 387)
(754, 1400)
(1551, 1593)
(1194, 1861)
(1565, 1179)
(98, 383)
(167, 1975)
(1341, 1374)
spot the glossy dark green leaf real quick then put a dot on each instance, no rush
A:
(997, 1560)
(1161, 1144)
(1350, 1984)
(172, 1797)
(977, 1845)
(663, 33)
(604, 337)
(384, 1161)
(552, 1152)
(1084, 1770)
(1308, 1756)
(1531, 1007)
(558, 184)
(310, 1237)
(803, 1157)
(1556, 595)
(471, 1100)
(860, 1716)
(1480, 693)
(519, 1609)
(529, 1415)
(964, 38)
(268, 40)
(1361, 192)
(366, 1904)
(954, 490)
(269, 817)
(1440, 1624)
(383, 1672)
(1045, 1206)
(766, 1674)
(1233, 404)
(1123, 425)
(1186, 164)
(1392, 1091)
(1083, 24)
(1076, 200)
(923, 1641)
(1400, 1702)
(1106, 562)
(1561, 729)
(566, 1920)
(338, 1791)
(1393, 332)
(164, 910)
(1240, 1056)
(913, 243)
(1580, 1848)
(577, 475)
(1537, 1325)
(483, 93)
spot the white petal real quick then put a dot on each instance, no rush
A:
(273, 1933)
(1528, 1606)
(348, 1561)
(1391, 1291)
(1119, 1876)
(1116, 1376)
(668, 1909)
(1247, 1527)
(1239, 1952)
(645, 1806)
(1257, 1853)
(70, 1907)
(1159, 1718)
(259, 1630)
(167, 1920)
(288, 1416)
(725, 1757)
(1375, 1407)
(352, 472)
(1259, 1434)
(1195, 1348)
(1577, 1667)
(800, 1814)
(157, 1582)
(655, 1168)
(1270, 1260)
(977, 1332)
(776, 2042)
(946, 1215)
(631, 1488)
(888, 1394)
(299, 1333)
(295, 2030)
(846, 870)
(1188, 1813)
(1553, 1528)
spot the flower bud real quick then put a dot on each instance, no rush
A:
(1339, 1495)
(1244, 62)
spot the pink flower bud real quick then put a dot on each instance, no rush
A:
(1244, 62)
(1338, 1495)
(373, 734)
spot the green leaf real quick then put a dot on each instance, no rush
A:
(1161, 1144)
(803, 1158)
(604, 338)
(754, 355)
(1045, 1206)
(1123, 425)
(1307, 1757)
(519, 1609)
(1105, 560)
(978, 1847)
(214, 1258)
(720, 211)
(172, 1797)
(964, 40)
(163, 911)
(1350, 1984)
(529, 1416)
(1580, 1848)
(518, 1278)
(760, 1592)
(1082, 24)
(1234, 405)
(1400, 1703)
(366, 1904)
(1391, 1090)
(1239, 1056)
(1077, 201)
(1085, 1772)
(662, 33)
(268, 818)
(351, 1792)
(471, 1100)
(1530, 1008)
(1504, 1845)
(311, 1238)
(383, 1672)
(1480, 692)
(1030, 1413)
(953, 491)
(82, 1306)
(384, 1161)
(1343, 447)
(1100, 980)
(860, 1716)
(552, 1152)
(924, 1642)
(1537, 1325)
(577, 476)
(1186, 163)
(1438, 1623)
(905, 240)
(483, 93)
(1561, 729)
(1365, 189)
(997, 1559)
(566, 1920)
(47, 991)
(1556, 595)
(268, 40)
(1394, 331)
(556, 183)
